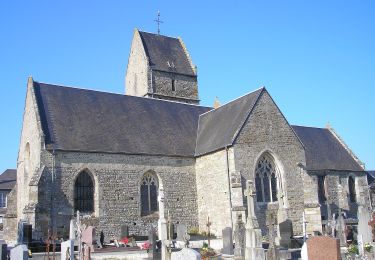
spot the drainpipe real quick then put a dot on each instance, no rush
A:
(52, 213)
(229, 187)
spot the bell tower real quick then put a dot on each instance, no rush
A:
(160, 67)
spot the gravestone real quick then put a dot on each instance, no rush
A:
(371, 223)
(181, 232)
(286, 232)
(254, 249)
(88, 237)
(152, 241)
(20, 252)
(124, 231)
(304, 255)
(340, 227)
(67, 250)
(273, 251)
(364, 217)
(3, 251)
(186, 254)
(239, 237)
(227, 241)
(323, 248)
(72, 230)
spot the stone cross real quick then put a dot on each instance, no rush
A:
(250, 193)
(304, 223)
(162, 228)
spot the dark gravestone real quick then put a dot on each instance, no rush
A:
(152, 241)
(27, 233)
(124, 231)
(171, 232)
(3, 251)
(286, 232)
(227, 241)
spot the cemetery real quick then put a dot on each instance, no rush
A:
(172, 242)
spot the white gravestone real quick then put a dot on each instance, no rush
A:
(364, 229)
(186, 254)
(67, 250)
(19, 253)
(304, 255)
(72, 230)
(181, 232)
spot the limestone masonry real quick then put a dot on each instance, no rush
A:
(109, 155)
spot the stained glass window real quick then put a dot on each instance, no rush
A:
(84, 193)
(266, 180)
(149, 194)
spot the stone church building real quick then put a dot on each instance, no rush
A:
(108, 155)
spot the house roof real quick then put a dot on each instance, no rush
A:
(324, 151)
(163, 50)
(218, 128)
(86, 120)
(8, 179)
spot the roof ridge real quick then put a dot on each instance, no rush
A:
(309, 126)
(217, 109)
(172, 37)
(120, 94)
(346, 147)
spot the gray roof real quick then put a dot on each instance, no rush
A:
(163, 49)
(85, 120)
(324, 151)
(371, 179)
(219, 128)
(8, 179)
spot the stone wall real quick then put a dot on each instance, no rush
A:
(186, 87)
(137, 72)
(266, 130)
(117, 190)
(28, 161)
(337, 191)
(10, 218)
(213, 192)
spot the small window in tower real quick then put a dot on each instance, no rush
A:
(173, 85)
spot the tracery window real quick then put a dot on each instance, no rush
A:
(352, 193)
(149, 194)
(84, 193)
(266, 180)
(321, 189)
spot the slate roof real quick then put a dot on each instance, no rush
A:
(86, 120)
(219, 128)
(162, 49)
(324, 151)
(8, 179)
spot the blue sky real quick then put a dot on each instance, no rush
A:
(316, 58)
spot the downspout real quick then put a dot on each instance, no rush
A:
(229, 187)
(53, 192)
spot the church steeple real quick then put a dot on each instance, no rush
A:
(160, 67)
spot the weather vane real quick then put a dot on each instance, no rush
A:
(158, 21)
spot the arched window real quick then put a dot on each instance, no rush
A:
(266, 180)
(321, 189)
(149, 194)
(352, 194)
(84, 193)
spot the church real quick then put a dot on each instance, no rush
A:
(109, 155)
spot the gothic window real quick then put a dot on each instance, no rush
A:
(84, 193)
(3, 200)
(321, 189)
(352, 193)
(266, 180)
(149, 194)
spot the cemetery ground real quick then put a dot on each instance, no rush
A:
(168, 241)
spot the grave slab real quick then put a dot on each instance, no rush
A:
(186, 254)
(19, 253)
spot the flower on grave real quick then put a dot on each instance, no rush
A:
(124, 240)
(368, 247)
(146, 245)
(353, 249)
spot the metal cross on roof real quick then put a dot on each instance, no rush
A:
(158, 21)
